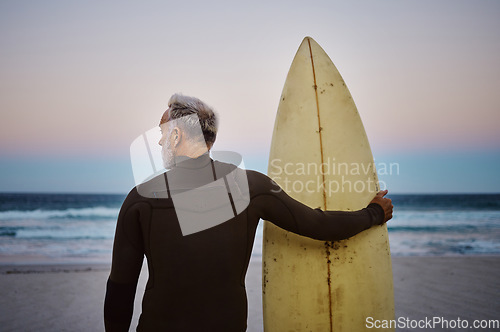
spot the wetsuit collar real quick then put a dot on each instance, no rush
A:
(193, 163)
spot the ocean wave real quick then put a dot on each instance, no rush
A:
(98, 212)
(453, 215)
(435, 229)
(62, 236)
(8, 231)
(62, 233)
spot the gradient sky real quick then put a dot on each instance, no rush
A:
(80, 80)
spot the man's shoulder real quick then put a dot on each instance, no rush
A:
(155, 187)
(260, 183)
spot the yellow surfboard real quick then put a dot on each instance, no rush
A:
(320, 155)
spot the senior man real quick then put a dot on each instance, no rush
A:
(197, 275)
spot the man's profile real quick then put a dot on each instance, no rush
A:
(197, 274)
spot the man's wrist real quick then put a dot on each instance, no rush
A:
(379, 211)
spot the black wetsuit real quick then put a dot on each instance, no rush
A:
(197, 282)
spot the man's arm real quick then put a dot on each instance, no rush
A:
(128, 254)
(276, 206)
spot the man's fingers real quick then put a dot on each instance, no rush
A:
(382, 193)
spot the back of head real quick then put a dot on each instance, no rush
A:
(191, 113)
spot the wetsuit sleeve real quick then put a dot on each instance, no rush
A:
(274, 205)
(128, 253)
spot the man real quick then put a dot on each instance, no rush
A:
(197, 281)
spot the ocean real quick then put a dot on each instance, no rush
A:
(76, 228)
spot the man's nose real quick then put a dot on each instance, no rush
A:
(159, 142)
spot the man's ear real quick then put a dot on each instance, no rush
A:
(176, 136)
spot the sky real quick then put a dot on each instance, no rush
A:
(79, 81)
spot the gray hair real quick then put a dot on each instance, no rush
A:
(191, 113)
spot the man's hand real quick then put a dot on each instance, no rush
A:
(385, 203)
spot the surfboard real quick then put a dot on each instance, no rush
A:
(320, 155)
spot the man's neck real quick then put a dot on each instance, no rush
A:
(193, 152)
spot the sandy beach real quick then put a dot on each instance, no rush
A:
(68, 297)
